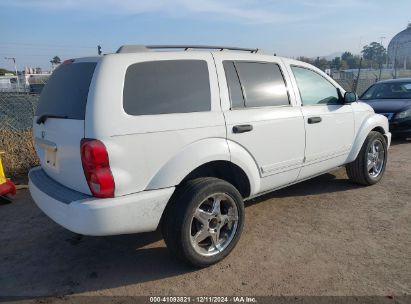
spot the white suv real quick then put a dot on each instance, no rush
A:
(141, 138)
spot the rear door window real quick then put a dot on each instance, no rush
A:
(234, 86)
(169, 86)
(259, 84)
(65, 93)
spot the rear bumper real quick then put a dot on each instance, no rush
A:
(83, 214)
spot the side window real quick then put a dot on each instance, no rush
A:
(261, 84)
(234, 86)
(169, 86)
(314, 88)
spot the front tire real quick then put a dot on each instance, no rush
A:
(203, 221)
(369, 166)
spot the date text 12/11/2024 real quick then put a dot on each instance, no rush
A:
(204, 299)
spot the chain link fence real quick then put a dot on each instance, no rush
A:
(349, 85)
(17, 110)
(367, 78)
(16, 119)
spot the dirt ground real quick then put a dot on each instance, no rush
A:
(325, 236)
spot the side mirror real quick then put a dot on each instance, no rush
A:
(350, 97)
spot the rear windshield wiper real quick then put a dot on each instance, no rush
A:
(42, 118)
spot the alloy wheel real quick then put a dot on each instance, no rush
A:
(214, 224)
(375, 158)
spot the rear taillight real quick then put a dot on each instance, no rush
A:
(96, 168)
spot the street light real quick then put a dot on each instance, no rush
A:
(15, 68)
(386, 58)
(386, 55)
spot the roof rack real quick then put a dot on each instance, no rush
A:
(145, 48)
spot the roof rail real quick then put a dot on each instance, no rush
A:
(132, 48)
(145, 48)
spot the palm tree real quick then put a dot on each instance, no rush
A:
(55, 62)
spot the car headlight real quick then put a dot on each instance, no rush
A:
(403, 114)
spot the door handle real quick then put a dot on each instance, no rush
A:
(242, 128)
(313, 120)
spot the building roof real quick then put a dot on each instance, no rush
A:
(399, 48)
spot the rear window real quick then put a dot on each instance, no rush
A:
(169, 86)
(65, 93)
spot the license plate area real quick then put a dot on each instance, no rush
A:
(50, 158)
(50, 152)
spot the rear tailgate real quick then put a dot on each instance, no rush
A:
(59, 123)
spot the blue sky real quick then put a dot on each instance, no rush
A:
(34, 31)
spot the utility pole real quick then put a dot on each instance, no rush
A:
(395, 59)
(386, 54)
(385, 59)
(360, 45)
(15, 68)
(358, 77)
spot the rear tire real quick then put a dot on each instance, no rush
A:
(203, 221)
(369, 166)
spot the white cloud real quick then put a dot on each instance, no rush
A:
(240, 11)
(337, 4)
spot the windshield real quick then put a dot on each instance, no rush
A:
(65, 94)
(389, 90)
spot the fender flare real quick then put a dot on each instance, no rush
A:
(187, 159)
(369, 123)
(242, 158)
(198, 154)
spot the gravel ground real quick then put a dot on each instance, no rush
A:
(325, 236)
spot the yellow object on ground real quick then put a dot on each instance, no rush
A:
(2, 175)
(7, 187)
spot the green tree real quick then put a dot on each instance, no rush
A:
(321, 63)
(375, 53)
(350, 61)
(305, 59)
(56, 60)
(4, 72)
(346, 56)
(344, 65)
(336, 63)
